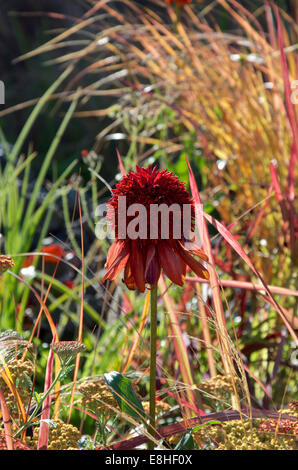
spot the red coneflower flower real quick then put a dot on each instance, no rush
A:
(180, 2)
(143, 257)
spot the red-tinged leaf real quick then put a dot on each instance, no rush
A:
(82, 410)
(275, 183)
(291, 174)
(288, 212)
(234, 244)
(279, 196)
(81, 321)
(270, 23)
(92, 415)
(126, 304)
(288, 92)
(257, 380)
(214, 281)
(258, 218)
(43, 436)
(186, 403)
(293, 320)
(138, 333)
(6, 422)
(182, 426)
(247, 285)
(40, 301)
(179, 343)
(121, 166)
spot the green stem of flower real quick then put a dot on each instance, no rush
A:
(39, 405)
(177, 19)
(153, 337)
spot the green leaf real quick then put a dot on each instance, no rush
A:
(186, 442)
(125, 395)
(196, 428)
(67, 371)
(218, 112)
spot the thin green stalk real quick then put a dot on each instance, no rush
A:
(153, 337)
(44, 396)
(177, 19)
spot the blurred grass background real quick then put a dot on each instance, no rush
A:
(163, 137)
(24, 26)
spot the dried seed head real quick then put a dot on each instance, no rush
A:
(220, 385)
(6, 262)
(67, 349)
(256, 434)
(293, 408)
(62, 436)
(97, 396)
(17, 444)
(161, 407)
(20, 373)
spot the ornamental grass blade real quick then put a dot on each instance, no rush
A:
(139, 332)
(182, 426)
(288, 212)
(290, 108)
(179, 345)
(43, 435)
(236, 246)
(7, 377)
(125, 395)
(55, 336)
(6, 422)
(214, 282)
(187, 441)
(121, 166)
(81, 321)
(287, 86)
(246, 286)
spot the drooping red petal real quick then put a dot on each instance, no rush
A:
(171, 263)
(113, 252)
(152, 266)
(116, 260)
(137, 265)
(194, 248)
(194, 265)
(128, 278)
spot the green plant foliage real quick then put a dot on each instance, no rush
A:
(125, 395)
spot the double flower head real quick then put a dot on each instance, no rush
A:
(144, 258)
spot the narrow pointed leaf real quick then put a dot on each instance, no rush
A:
(125, 395)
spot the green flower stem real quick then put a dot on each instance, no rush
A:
(153, 337)
(177, 19)
(39, 405)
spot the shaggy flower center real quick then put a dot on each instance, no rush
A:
(151, 205)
